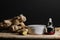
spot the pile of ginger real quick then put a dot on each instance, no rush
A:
(16, 24)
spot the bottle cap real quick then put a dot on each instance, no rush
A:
(50, 19)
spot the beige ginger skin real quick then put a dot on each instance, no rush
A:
(15, 24)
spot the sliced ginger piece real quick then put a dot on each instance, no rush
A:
(25, 32)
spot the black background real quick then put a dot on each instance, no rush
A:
(36, 11)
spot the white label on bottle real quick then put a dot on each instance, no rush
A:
(50, 26)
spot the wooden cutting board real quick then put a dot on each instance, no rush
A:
(15, 35)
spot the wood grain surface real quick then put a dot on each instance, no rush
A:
(15, 35)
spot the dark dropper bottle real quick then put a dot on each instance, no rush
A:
(50, 27)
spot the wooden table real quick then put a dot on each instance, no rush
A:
(15, 35)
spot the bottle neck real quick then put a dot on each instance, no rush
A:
(50, 24)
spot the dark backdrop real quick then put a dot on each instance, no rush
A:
(36, 11)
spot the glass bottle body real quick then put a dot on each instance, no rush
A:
(50, 27)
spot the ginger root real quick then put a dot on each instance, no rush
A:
(16, 24)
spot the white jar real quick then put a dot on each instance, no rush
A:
(38, 29)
